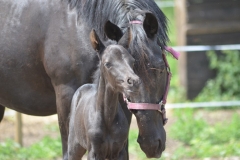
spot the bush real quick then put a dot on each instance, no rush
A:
(227, 82)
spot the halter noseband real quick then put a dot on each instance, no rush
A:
(161, 106)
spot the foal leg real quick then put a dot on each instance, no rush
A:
(75, 150)
(2, 109)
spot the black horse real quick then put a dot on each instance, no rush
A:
(97, 121)
(45, 55)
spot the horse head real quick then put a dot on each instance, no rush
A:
(148, 103)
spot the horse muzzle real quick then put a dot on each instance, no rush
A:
(152, 149)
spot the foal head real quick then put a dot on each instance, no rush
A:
(116, 65)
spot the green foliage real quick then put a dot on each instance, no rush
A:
(200, 140)
(48, 148)
(227, 82)
(187, 125)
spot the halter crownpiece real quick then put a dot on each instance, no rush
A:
(135, 22)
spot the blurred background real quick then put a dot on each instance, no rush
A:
(204, 97)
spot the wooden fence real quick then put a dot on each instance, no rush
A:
(204, 22)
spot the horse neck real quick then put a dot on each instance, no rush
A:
(107, 101)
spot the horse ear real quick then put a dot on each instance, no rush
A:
(112, 31)
(150, 25)
(95, 41)
(126, 39)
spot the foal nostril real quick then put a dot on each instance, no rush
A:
(134, 81)
(130, 81)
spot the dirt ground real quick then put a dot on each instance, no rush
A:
(35, 128)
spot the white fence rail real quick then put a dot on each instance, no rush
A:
(203, 104)
(207, 48)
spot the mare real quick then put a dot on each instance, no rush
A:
(45, 55)
(97, 121)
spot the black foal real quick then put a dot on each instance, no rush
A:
(97, 122)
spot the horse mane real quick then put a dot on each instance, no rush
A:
(97, 12)
(120, 12)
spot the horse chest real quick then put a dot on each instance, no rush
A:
(108, 137)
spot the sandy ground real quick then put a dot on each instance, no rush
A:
(35, 128)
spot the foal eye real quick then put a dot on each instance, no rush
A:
(133, 64)
(107, 64)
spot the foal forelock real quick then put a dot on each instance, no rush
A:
(97, 12)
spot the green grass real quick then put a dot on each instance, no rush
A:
(201, 140)
(46, 149)
(50, 148)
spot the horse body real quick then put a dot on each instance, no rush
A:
(25, 85)
(43, 58)
(45, 55)
(97, 121)
(40, 55)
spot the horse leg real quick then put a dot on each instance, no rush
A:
(123, 155)
(64, 94)
(2, 109)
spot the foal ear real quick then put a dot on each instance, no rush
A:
(150, 25)
(112, 31)
(126, 39)
(95, 41)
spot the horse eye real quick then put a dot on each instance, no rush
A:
(149, 66)
(107, 64)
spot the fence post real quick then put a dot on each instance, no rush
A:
(18, 132)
